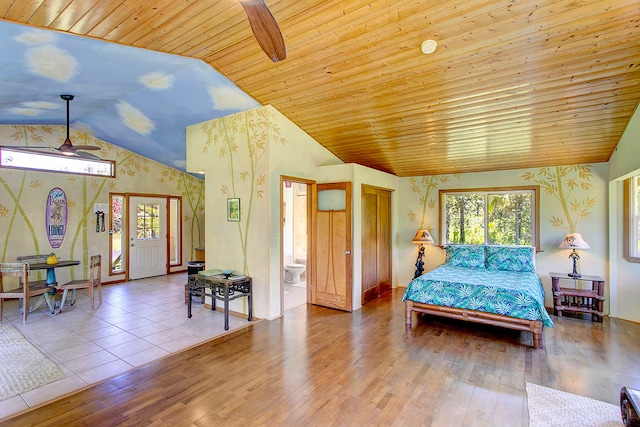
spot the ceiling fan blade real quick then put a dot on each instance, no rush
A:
(86, 147)
(265, 29)
(31, 147)
(67, 147)
(88, 156)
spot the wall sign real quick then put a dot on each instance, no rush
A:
(56, 217)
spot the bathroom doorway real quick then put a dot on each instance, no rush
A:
(295, 236)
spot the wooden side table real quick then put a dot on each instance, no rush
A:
(588, 301)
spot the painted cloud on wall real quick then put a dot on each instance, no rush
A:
(135, 119)
(51, 62)
(157, 80)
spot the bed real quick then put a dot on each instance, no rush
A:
(494, 285)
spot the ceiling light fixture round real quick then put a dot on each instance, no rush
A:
(428, 46)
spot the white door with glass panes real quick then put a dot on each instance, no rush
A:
(147, 237)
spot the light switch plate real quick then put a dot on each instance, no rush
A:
(100, 207)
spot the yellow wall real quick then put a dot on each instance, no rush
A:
(581, 207)
(243, 156)
(23, 196)
(281, 148)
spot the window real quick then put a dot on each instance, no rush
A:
(631, 229)
(175, 241)
(506, 216)
(148, 221)
(115, 229)
(51, 162)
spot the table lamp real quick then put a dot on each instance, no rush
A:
(422, 237)
(574, 241)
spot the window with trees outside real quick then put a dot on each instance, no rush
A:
(631, 229)
(116, 231)
(148, 221)
(496, 216)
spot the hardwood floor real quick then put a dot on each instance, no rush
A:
(319, 366)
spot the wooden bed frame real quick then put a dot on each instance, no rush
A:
(533, 326)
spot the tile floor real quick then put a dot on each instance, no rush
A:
(294, 295)
(139, 321)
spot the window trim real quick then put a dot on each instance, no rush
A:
(125, 223)
(536, 208)
(178, 224)
(54, 161)
(628, 215)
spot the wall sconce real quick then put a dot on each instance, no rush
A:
(422, 237)
(574, 241)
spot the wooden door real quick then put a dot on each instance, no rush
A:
(369, 244)
(384, 241)
(376, 242)
(332, 284)
(147, 237)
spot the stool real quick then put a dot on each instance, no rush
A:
(186, 295)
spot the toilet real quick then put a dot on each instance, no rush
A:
(302, 260)
(292, 272)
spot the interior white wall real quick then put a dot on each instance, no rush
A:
(623, 275)
(287, 229)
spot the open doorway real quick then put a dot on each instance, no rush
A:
(295, 245)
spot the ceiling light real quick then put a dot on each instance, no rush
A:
(428, 46)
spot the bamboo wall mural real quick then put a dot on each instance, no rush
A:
(425, 187)
(243, 139)
(25, 135)
(192, 191)
(570, 186)
(23, 196)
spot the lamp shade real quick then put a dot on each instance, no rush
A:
(422, 236)
(574, 241)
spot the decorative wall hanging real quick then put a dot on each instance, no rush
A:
(233, 210)
(56, 217)
(99, 221)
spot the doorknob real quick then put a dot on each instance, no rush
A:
(347, 252)
(132, 245)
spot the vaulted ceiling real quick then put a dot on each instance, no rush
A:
(510, 85)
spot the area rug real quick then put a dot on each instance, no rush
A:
(22, 366)
(549, 407)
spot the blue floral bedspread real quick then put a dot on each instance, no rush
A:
(514, 294)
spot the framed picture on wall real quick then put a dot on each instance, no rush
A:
(233, 210)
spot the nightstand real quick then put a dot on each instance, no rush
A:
(589, 301)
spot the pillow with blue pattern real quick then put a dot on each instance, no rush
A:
(468, 256)
(511, 258)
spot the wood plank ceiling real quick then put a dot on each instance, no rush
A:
(512, 84)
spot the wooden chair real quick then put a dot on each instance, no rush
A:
(25, 289)
(93, 282)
